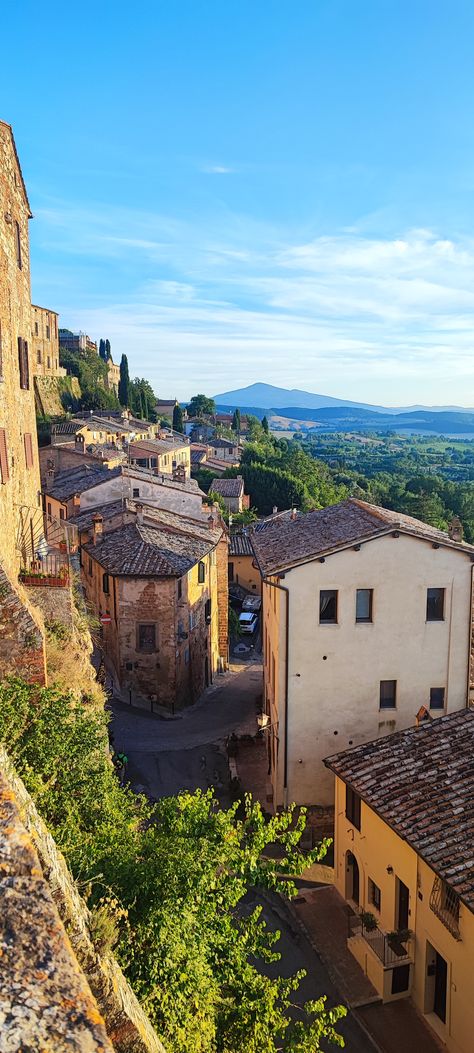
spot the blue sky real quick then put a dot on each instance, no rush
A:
(251, 190)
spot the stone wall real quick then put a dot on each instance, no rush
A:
(48, 391)
(21, 634)
(53, 1005)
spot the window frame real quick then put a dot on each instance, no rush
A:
(19, 258)
(4, 463)
(394, 696)
(430, 615)
(437, 707)
(330, 595)
(365, 621)
(147, 649)
(23, 364)
(353, 807)
(106, 584)
(374, 894)
(201, 572)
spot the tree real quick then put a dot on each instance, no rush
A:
(124, 382)
(236, 421)
(201, 405)
(102, 352)
(142, 399)
(178, 424)
(108, 352)
(265, 425)
(176, 874)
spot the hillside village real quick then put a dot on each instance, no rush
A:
(328, 640)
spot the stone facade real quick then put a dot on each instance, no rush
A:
(21, 634)
(45, 343)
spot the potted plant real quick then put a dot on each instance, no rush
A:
(368, 920)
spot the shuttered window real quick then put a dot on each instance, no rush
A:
(28, 449)
(1, 351)
(18, 244)
(4, 471)
(23, 363)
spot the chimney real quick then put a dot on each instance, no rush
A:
(139, 511)
(455, 529)
(97, 527)
(422, 716)
(76, 501)
(274, 510)
(79, 443)
(212, 521)
(293, 514)
(49, 478)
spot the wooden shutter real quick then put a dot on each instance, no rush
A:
(23, 363)
(4, 471)
(28, 449)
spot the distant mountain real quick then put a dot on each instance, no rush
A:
(267, 397)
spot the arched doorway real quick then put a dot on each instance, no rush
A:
(352, 877)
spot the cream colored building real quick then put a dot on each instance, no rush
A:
(169, 455)
(404, 831)
(45, 343)
(367, 617)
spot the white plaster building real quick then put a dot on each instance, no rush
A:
(366, 618)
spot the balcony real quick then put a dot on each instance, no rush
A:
(52, 572)
(392, 948)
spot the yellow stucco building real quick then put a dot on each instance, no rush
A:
(404, 862)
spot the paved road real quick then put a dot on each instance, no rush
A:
(167, 755)
(297, 953)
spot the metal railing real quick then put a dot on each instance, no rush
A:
(52, 570)
(391, 948)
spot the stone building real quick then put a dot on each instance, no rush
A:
(45, 343)
(113, 376)
(158, 582)
(243, 569)
(367, 617)
(170, 455)
(232, 493)
(76, 341)
(20, 489)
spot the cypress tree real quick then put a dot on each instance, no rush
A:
(108, 353)
(124, 382)
(178, 419)
(102, 350)
(265, 425)
(236, 421)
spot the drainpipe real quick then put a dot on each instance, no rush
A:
(469, 642)
(286, 591)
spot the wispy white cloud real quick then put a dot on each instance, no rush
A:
(223, 301)
(217, 169)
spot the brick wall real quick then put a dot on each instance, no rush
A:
(21, 635)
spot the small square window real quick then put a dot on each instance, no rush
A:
(374, 894)
(180, 588)
(353, 807)
(136, 491)
(435, 605)
(90, 568)
(388, 694)
(105, 584)
(437, 697)
(328, 607)
(146, 638)
(364, 605)
(201, 573)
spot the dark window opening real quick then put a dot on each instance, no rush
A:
(208, 611)
(353, 807)
(23, 363)
(388, 694)
(18, 244)
(231, 571)
(180, 588)
(400, 979)
(375, 896)
(105, 584)
(435, 605)
(328, 606)
(437, 697)
(146, 638)
(201, 573)
(364, 605)
(136, 492)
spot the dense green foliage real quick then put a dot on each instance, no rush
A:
(201, 405)
(236, 421)
(142, 399)
(178, 424)
(91, 371)
(167, 881)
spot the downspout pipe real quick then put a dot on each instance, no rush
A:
(286, 591)
(470, 656)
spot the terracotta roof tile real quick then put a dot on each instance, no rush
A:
(228, 487)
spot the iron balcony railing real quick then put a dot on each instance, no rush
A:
(392, 948)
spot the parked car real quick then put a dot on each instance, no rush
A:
(248, 622)
(252, 603)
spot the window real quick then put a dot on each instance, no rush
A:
(47, 332)
(231, 571)
(18, 244)
(208, 611)
(435, 605)
(4, 469)
(201, 573)
(1, 351)
(146, 641)
(62, 513)
(90, 568)
(136, 491)
(444, 902)
(400, 978)
(36, 328)
(28, 443)
(180, 588)
(49, 509)
(192, 620)
(49, 362)
(374, 894)
(328, 606)
(38, 357)
(364, 605)
(105, 584)
(388, 694)
(23, 363)
(437, 697)
(353, 807)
